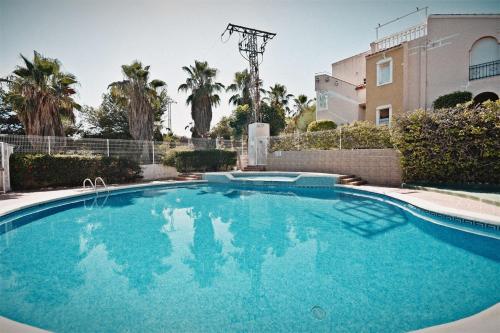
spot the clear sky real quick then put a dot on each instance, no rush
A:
(93, 38)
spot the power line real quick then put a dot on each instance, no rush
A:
(251, 44)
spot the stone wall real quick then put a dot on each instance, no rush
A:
(157, 171)
(377, 166)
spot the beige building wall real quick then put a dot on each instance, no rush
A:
(387, 94)
(352, 69)
(450, 39)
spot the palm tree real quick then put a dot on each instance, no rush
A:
(141, 98)
(278, 97)
(41, 95)
(241, 85)
(201, 83)
(301, 102)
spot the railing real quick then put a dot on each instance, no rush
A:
(407, 35)
(145, 152)
(487, 69)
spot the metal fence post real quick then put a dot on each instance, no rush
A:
(153, 144)
(3, 168)
(107, 146)
(340, 145)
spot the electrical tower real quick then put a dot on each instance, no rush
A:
(251, 44)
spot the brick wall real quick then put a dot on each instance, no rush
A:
(377, 166)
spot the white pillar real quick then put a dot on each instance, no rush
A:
(258, 136)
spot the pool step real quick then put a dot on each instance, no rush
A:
(352, 180)
(254, 168)
(188, 176)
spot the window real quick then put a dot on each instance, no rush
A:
(322, 98)
(384, 114)
(484, 58)
(384, 71)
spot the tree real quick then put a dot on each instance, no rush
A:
(9, 122)
(141, 97)
(240, 118)
(201, 83)
(278, 97)
(241, 86)
(109, 120)
(41, 95)
(222, 129)
(301, 102)
(274, 116)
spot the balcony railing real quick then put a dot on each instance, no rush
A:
(407, 35)
(487, 69)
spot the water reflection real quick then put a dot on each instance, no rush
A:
(206, 251)
(224, 256)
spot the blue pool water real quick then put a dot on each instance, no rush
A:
(214, 258)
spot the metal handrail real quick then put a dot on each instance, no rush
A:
(90, 181)
(103, 183)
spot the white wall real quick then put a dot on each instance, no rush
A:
(343, 100)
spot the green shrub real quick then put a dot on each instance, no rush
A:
(365, 135)
(201, 160)
(452, 100)
(460, 145)
(359, 135)
(321, 125)
(34, 171)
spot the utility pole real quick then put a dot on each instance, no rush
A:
(251, 44)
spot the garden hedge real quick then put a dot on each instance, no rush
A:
(201, 160)
(459, 145)
(452, 100)
(35, 171)
(359, 135)
(321, 125)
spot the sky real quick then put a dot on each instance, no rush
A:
(94, 38)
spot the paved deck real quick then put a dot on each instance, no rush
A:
(441, 203)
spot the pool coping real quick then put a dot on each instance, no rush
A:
(478, 320)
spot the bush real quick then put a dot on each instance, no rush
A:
(35, 171)
(460, 145)
(201, 160)
(452, 100)
(365, 135)
(359, 135)
(321, 125)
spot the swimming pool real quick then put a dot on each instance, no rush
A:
(211, 258)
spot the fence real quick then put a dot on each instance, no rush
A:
(145, 152)
(346, 137)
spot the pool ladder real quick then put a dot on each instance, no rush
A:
(95, 202)
(94, 184)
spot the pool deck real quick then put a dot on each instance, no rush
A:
(483, 322)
